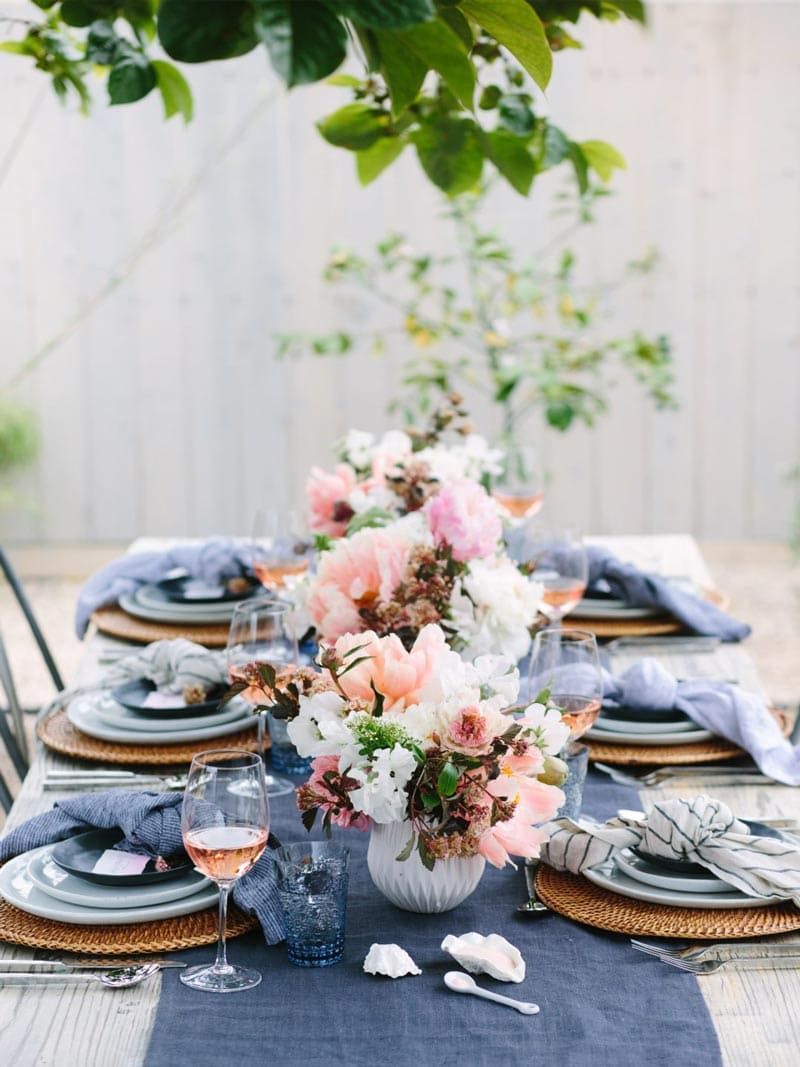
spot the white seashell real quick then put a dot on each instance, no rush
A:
(491, 955)
(390, 960)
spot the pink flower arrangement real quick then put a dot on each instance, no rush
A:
(464, 517)
(327, 494)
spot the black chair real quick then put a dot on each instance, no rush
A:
(12, 726)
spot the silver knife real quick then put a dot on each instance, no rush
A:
(84, 965)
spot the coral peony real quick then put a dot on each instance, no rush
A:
(327, 497)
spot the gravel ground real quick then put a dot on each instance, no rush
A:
(761, 580)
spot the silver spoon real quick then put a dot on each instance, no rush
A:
(119, 978)
(464, 983)
(532, 906)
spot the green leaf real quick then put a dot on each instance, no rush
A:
(428, 861)
(556, 147)
(102, 43)
(370, 517)
(18, 48)
(225, 30)
(450, 152)
(512, 159)
(580, 166)
(267, 672)
(348, 81)
(458, 24)
(355, 126)
(516, 115)
(632, 9)
(131, 78)
(305, 41)
(385, 14)
(543, 696)
(603, 158)
(408, 848)
(174, 89)
(309, 817)
(373, 161)
(447, 782)
(85, 12)
(517, 27)
(560, 415)
(435, 45)
(403, 70)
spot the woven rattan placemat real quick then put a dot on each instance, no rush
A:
(656, 626)
(58, 733)
(163, 935)
(573, 896)
(714, 750)
(118, 623)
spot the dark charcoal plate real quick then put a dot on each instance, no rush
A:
(172, 590)
(78, 855)
(758, 829)
(643, 715)
(132, 696)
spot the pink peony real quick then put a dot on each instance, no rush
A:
(535, 803)
(399, 675)
(463, 516)
(356, 573)
(327, 497)
(469, 732)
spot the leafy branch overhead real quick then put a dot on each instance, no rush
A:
(453, 79)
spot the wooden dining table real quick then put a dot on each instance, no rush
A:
(756, 1013)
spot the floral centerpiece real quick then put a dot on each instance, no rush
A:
(377, 480)
(419, 742)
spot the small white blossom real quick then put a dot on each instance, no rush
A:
(545, 728)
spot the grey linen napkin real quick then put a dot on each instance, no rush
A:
(172, 665)
(702, 830)
(212, 561)
(151, 823)
(643, 590)
(729, 711)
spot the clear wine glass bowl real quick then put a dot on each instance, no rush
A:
(555, 558)
(281, 548)
(566, 663)
(519, 489)
(225, 826)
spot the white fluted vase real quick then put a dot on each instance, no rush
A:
(408, 883)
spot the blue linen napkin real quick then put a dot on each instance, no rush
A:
(642, 590)
(729, 711)
(211, 561)
(151, 823)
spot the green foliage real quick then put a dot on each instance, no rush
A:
(19, 436)
(423, 59)
(522, 331)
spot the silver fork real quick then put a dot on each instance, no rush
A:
(721, 775)
(700, 952)
(712, 966)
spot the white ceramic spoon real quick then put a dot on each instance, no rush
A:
(463, 983)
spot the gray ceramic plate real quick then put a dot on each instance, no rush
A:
(609, 876)
(83, 713)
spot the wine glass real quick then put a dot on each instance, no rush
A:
(281, 547)
(557, 559)
(567, 663)
(262, 631)
(225, 826)
(519, 490)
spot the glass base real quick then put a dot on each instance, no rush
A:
(230, 980)
(277, 786)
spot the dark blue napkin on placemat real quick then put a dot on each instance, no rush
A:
(151, 823)
(643, 590)
(598, 997)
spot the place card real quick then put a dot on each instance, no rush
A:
(121, 863)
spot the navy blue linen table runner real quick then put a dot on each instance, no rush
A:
(601, 1002)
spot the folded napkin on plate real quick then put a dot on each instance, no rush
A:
(702, 830)
(642, 590)
(211, 561)
(172, 665)
(729, 711)
(151, 823)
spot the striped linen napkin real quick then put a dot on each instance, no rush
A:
(701, 830)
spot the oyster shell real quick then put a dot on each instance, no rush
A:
(390, 960)
(491, 955)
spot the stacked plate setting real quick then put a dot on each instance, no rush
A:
(185, 601)
(678, 883)
(35, 883)
(633, 726)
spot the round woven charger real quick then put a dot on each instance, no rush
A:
(118, 623)
(655, 626)
(163, 935)
(573, 896)
(58, 733)
(714, 750)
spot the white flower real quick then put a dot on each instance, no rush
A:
(493, 608)
(382, 794)
(545, 728)
(319, 729)
(356, 448)
(497, 675)
(393, 446)
(378, 496)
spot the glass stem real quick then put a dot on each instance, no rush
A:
(221, 964)
(262, 719)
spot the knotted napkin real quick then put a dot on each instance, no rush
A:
(211, 561)
(727, 710)
(172, 665)
(151, 823)
(643, 590)
(701, 830)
